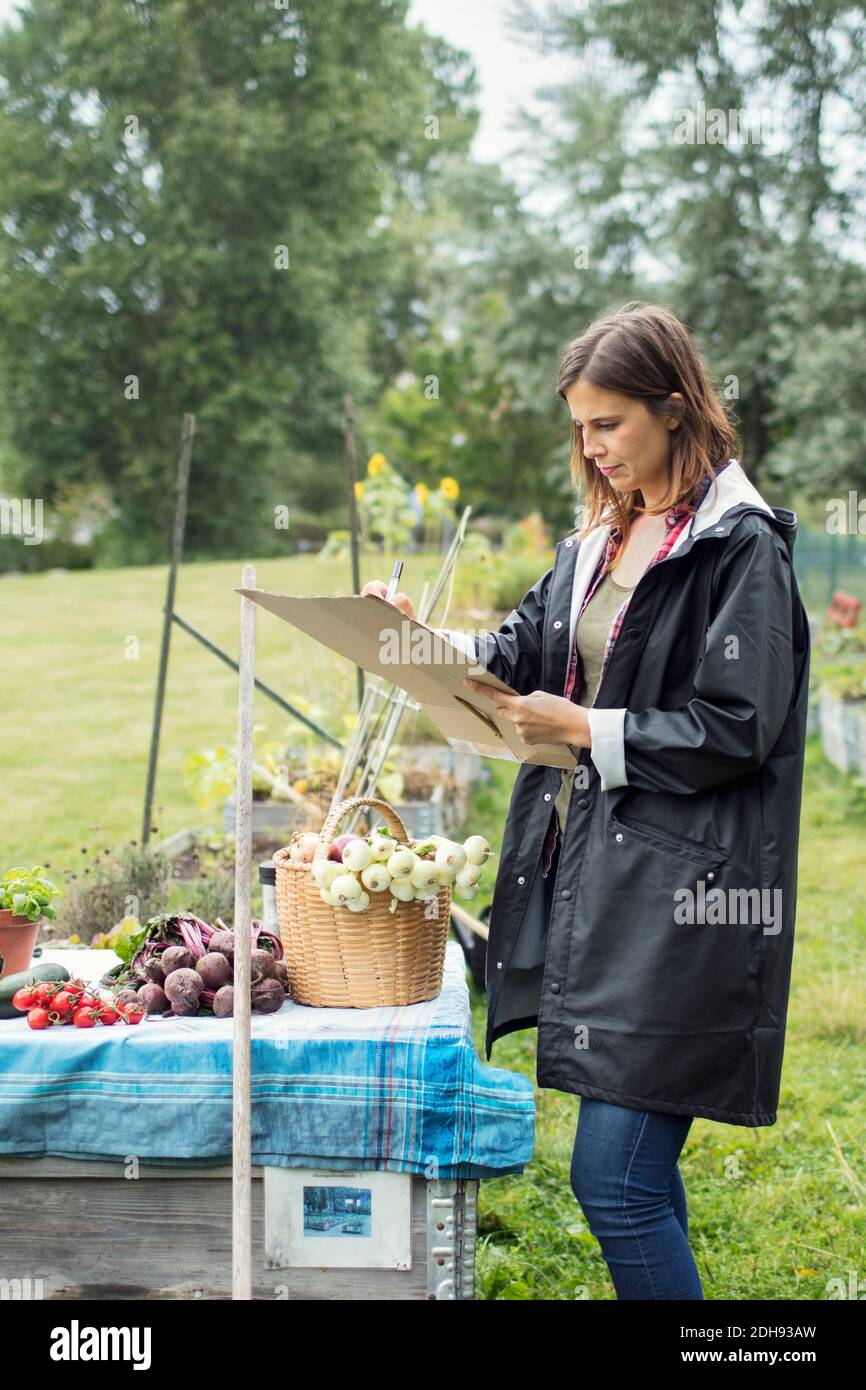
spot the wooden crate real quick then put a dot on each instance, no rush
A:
(82, 1230)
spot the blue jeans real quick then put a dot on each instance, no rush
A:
(624, 1174)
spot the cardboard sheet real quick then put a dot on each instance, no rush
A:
(373, 634)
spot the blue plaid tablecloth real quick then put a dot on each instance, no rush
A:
(397, 1089)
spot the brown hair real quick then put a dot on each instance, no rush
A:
(645, 351)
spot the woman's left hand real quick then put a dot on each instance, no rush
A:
(540, 717)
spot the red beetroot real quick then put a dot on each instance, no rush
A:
(176, 958)
(224, 942)
(214, 969)
(262, 966)
(184, 1007)
(224, 1002)
(155, 971)
(268, 997)
(153, 999)
(184, 987)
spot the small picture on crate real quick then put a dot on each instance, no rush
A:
(327, 1219)
(338, 1211)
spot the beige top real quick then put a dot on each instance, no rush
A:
(591, 637)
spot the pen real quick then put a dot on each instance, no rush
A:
(395, 579)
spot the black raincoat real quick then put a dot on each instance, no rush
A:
(693, 784)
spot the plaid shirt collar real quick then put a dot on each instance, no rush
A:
(676, 521)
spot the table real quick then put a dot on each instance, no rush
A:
(396, 1090)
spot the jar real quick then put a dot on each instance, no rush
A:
(268, 881)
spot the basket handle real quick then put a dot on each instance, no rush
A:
(326, 834)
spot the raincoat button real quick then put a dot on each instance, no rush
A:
(557, 624)
(554, 988)
(583, 803)
(720, 528)
(566, 892)
(711, 874)
(569, 544)
(633, 633)
(547, 796)
(521, 879)
(619, 836)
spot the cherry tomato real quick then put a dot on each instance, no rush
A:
(63, 1003)
(108, 1015)
(133, 1013)
(88, 1000)
(24, 999)
(84, 1018)
(38, 1018)
(43, 993)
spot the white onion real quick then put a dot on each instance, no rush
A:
(468, 876)
(425, 876)
(450, 856)
(324, 872)
(477, 849)
(346, 888)
(376, 877)
(401, 863)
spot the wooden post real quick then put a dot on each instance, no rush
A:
(242, 1243)
(176, 553)
(351, 474)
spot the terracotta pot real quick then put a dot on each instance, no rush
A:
(17, 939)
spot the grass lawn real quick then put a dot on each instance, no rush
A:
(82, 650)
(774, 1212)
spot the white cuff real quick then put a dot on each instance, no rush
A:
(608, 747)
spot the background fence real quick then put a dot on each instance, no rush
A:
(826, 562)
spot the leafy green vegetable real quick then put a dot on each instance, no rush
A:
(28, 894)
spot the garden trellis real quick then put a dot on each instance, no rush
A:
(170, 617)
(384, 704)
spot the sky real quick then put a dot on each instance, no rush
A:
(509, 72)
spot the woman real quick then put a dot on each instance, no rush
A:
(643, 912)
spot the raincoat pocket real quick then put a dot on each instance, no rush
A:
(651, 956)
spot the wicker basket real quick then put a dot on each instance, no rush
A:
(341, 959)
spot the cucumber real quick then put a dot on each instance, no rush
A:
(10, 983)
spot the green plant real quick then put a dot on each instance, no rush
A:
(383, 500)
(512, 578)
(211, 775)
(129, 882)
(845, 679)
(26, 893)
(208, 897)
(338, 543)
(832, 641)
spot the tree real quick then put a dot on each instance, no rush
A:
(196, 207)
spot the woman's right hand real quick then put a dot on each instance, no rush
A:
(400, 600)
